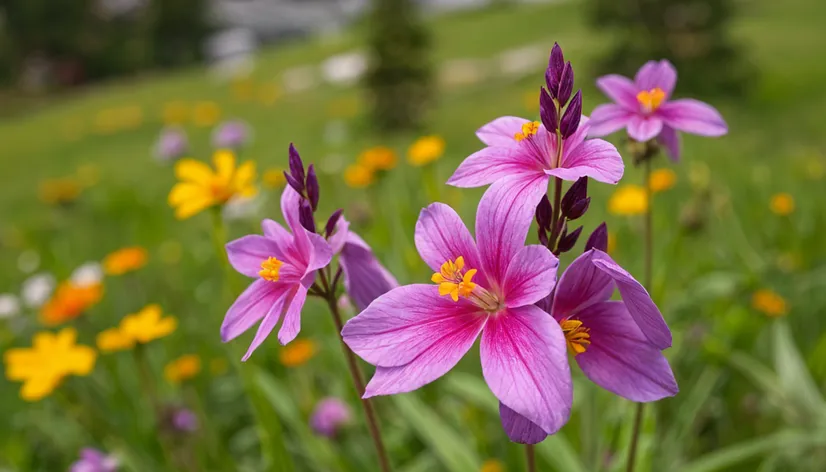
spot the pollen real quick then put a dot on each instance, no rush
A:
(270, 268)
(576, 335)
(650, 100)
(453, 280)
(528, 129)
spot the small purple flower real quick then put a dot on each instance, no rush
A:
(283, 266)
(93, 460)
(184, 420)
(645, 108)
(329, 415)
(171, 145)
(233, 134)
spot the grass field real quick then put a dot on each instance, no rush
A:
(752, 386)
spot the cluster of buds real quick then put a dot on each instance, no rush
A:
(555, 96)
(306, 184)
(555, 235)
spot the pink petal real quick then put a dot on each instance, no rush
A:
(605, 119)
(670, 140)
(500, 131)
(273, 230)
(657, 74)
(292, 319)
(340, 235)
(581, 284)
(619, 89)
(503, 218)
(247, 253)
(620, 359)
(320, 253)
(409, 321)
(643, 310)
(250, 307)
(525, 364)
(644, 128)
(594, 158)
(518, 428)
(531, 276)
(269, 322)
(290, 201)
(365, 279)
(441, 236)
(491, 164)
(693, 116)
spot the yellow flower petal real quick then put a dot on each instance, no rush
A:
(39, 387)
(224, 164)
(81, 360)
(245, 174)
(193, 207)
(194, 171)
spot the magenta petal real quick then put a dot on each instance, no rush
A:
(607, 118)
(290, 201)
(491, 164)
(693, 116)
(518, 428)
(273, 230)
(525, 364)
(594, 158)
(657, 74)
(340, 235)
(320, 253)
(252, 305)
(501, 131)
(269, 321)
(670, 140)
(642, 309)
(441, 236)
(248, 252)
(365, 279)
(503, 218)
(531, 276)
(292, 319)
(620, 359)
(644, 128)
(408, 321)
(619, 89)
(581, 284)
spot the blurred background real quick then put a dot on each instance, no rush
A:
(98, 98)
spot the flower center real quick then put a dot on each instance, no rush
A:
(528, 129)
(453, 280)
(650, 100)
(220, 191)
(576, 335)
(270, 268)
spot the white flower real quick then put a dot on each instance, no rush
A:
(37, 289)
(9, 306)
(87, 274)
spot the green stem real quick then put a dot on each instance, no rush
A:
(530, 457)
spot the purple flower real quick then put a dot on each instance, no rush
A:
(645, 108)
(283, 266)
(232, 134)
(329, 415)
(526, 154)
(184, 420)
(414, 334)
(171, 144)
(92, 460)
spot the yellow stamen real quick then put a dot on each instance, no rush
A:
(452, 281)
(650, 100)
(270, 268)
(528, 129)
(576, 335)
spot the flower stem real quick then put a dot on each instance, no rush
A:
(530, 458)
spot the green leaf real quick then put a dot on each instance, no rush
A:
(693, 400)
(794, 375)
(268, 424)
(722, 459)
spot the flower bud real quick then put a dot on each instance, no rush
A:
(296, 168)
(573, 115)
(598, 239)
(566, 85)
(331, 223)
(567, 241)
(296, 185)
(553, 74)
(544, 213)
(312, 187)
(547, 111)
(305, 216)
(577, 192)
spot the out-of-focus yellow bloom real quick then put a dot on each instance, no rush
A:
(206, 113)
(218, 366)
(124, 260)
(59, 191)
(88, 175)
(769, 303)
(492, 465)
(297, 353)
(114, 339)
(378, 158)
(662, 180)
(182, 368)
(70, 301)
(612, 242)
(274, 178)
(175, 113)
(51, 358)
(782, 204)
(426, 150)
(201, 188)
(358, 176)
(147, 324)
(628, 200)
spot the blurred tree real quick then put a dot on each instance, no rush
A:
(692, 34)
(399, 79)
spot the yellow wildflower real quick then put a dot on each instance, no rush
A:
(297, 353)
(426, 150)
(59, 191)
(492, 465)
(114, 339)
(769, 303)
(274, 178)
(182, 368)
(51, 358)
(378, 158)
(201, 188)
(662, 179)
(628, 200)
(782, 204)
(124, 260)
(358, 176)
(70, 301)
(206, 113)
(175, 113)
(147, 324)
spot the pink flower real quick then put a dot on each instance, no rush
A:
(283, 266)
(329, 415)
(644, 107)
(414, 334)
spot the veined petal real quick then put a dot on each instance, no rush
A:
(501, 131)
(494, 163)
(190, 170)
(620, 359)
(693, 116)
(644, 128)
(292, 319)
(271, 314)
(252, 305)
(619, 89)
(290, 201)
(248, 252)
(340, 235)
(320, 252)
(594, 158)
(531, 276)
(441, 236)
(655, 74)
(403, 324)
(525, 364)
(582, 284)
(670, 140)
(518, 428)
(607, 118)
(365, 279)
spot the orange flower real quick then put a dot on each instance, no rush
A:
(769, 303)
(182, 368)
(378, 158)
(70, 301)
(297, 353)
(124, 260)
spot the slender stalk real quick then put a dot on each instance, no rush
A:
(530, 457)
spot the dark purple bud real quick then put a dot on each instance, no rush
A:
(547, 111)
(566, 85)
(575, 194)
(578, 209)
(296, 167)
(298, 186)
(312, 187)
(544, 213)
(556, 64)
(568, 241)
(331, 223)
(598, 239)
(543, 237)
(305, 215)
(572, 116)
